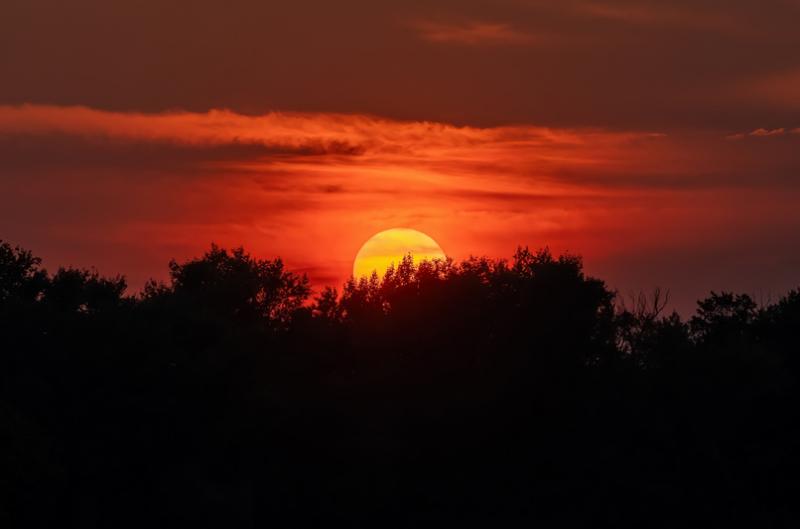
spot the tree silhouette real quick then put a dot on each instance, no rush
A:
(235, 285)
(21, 278)
(476, 393)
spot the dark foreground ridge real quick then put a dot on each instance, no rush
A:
(482, 393)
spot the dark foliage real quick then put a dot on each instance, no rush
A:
(484, 393)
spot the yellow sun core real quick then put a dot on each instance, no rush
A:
(389, 247)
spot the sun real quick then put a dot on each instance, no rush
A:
(389, 247)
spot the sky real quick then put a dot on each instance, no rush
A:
(659, 140)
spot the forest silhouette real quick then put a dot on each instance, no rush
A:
(485, 393)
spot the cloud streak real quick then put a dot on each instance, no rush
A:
(670, 14)
(473, 33)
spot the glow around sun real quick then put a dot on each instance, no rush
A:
(389, 247)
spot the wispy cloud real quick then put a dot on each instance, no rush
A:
(666, 14)
(764, 133)
(473, 33)
(768, 132)
(320, 134)
(779, 89)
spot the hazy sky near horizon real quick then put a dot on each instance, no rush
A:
(658, 139)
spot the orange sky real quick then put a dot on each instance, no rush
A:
(658, 139)
(128, 191)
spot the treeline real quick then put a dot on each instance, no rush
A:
(480, 393)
